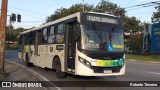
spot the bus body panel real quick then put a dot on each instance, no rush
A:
(83, 70)
(20, 55)
(46, 55)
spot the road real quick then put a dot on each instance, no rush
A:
(135, 71)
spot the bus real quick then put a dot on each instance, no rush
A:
(84, 43)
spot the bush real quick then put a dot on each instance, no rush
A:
(135, 43)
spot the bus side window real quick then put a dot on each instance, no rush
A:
(31, 38)
(44, 36)
(52, 30)
(60, 28)
(51, 37)
(20, 40)
(60, 33)
(39, 37)
(26, 39)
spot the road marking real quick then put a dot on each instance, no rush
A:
(144, 61)
(35, 73)
(153, 73)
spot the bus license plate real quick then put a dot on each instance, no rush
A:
(107, 71)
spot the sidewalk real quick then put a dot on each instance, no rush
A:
(17, 73)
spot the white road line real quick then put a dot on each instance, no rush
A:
(35, 73)
(153, 73)
(144, 61)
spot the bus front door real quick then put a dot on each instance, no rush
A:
(70, 46)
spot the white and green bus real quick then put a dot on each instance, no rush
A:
(84, 43)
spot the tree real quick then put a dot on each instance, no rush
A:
(19, 30)
(62, 12)
(135, 43)
(110, 8)
(156, 15)
(11, 35)
(132, 25)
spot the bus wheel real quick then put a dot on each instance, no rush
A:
(28, 64)
(59, 73)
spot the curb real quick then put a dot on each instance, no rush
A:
(35, 74)
(143, 61)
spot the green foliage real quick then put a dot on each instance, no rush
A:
(62, 12)
(156, 17)
(135, 43)
(141, 57)
(110, 8)
(130, 24)
(12, 35)
(103, 7)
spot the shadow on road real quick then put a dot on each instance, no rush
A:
(90, 77)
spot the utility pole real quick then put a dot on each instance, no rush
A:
(3, 19)
(83, 5)
(10, 24)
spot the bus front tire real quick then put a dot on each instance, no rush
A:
(28, 64)
(59, 73)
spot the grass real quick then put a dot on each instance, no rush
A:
(155, 58)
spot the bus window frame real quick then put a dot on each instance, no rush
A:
(31, 38)
(20, 40)
(26, 39)
(52, 34)
(61, 33)
(44, 36)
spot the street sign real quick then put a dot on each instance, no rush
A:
(151, 40)
(155, 38)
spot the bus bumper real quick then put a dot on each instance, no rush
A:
(86, 71)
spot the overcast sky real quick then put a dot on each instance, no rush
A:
(34, 12)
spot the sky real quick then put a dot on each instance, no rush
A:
(35, 12)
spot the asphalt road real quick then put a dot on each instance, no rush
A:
(135, 71)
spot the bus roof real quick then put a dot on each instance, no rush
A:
(62, 19)
(53, 22)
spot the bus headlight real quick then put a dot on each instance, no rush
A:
(85, 62)
(124, 56)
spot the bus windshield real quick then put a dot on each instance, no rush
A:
(102, 37)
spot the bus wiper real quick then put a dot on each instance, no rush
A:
(99, 36)
(110, 36)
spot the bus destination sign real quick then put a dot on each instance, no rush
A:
(102, 19)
